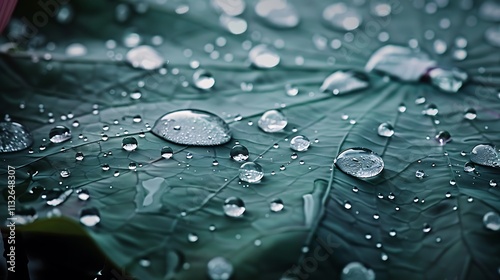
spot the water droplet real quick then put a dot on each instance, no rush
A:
(491, 221)
(229, 7)
(234, 25)
(485, 154)
(380, 8)
(83, 194)
(145, 57)
(276, 205)
(300, 143)
(14, 137)
(419, 174)
(90, 216)
(239, 153)
(167, 152)
(189, 155)
(203, 79)
(192, 237)
(440, 46)
(234, 207)
(59, 134)
(385, 130)
(291, 90)
(427, 228)
(277, 13)
(219, 269)
(65, 14)
(448, 80)
(470, 114)
(145, 263)
(360, 162)
(347, 205)
(129, 144)
(493, 183)
(357, 271)
(272, 121)
(490, 11)
(400, 62)
(384, 256)
(105, 167)
(192, 127)
(56, 197)
(402, 108)
(443, 137)
(263, 56)
(251, 172)
(65, 173)
(339, 16)
(341, 82)
(492, 35)
(469, 167)
(431, 110)
(392, 232)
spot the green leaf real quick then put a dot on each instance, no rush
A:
(148, 213)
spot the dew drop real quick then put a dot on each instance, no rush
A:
(219, 268)
(469, 167)
(431, 110)
(56, 197)
(485, 154)
(239, 153)
(419, 174)
(76, 49)
(145, 57)
(234, 207)
(277, 13)
(14, 137)
(357, 271)
(493, 183)
(380, 8)
(203, 79)
(129, 144)
(59, 134)
(229, 7)
(90, 216)
(136, 94)
(251, 172)
(166, 152)
(83, 194)
(192, 237)
(470, 114)
(341, 17)
(385, 130)
(291, 90)
(65, 173)
(272, 121)
(491, 221)
(360, 162)
(448, 80)
(276, 205)
(347, 205)
(300, 143)
(443, 137)
(427, 228)
(234, 25)
(341, 82)
(263, 56)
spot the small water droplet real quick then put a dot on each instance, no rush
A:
(166, 152)
(380, 8)
(263, 56)
(231, 7)
(276, 205)
(192, 237)
(392, 232)
(427, 228)
(360, 162)
(419, 174)
(384, 256)
(145, 57)
(431, 110)
(65, 173)
(129, 144)
(203, 79)
(76, 49)
(469, 167)
(251, 172)
(234, 207)
(105, 167)
(90, 216)
(443, 137)
(65, 14)
(83, 194)
(470, 114)
(385, 130)
(493, 183)
(59, 134)
(232, 24)
(189, 155)
(341, 82)
(485, 154)
(219, 268)
(339, 16)
(277, 13)
(192, 127)
(239, 153)
(300, 143)
(347, 205)
(491, 221)
(14, 137)
(56, 197)
(272, 121)
(291, 90)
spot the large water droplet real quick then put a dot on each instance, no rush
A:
(90, 216)
(491, 221)
(56, 197)
(341, 82)
(262, 56)
(14, 137)
(167, 152)
(229, 7)
(277, 13)
(490, 11)
(276, 205)
(485, 154)
(401, 62)
(234, 25)
(192, 127)
(385, 130)
(251, 172)
(357, 271)
(219, 269)
(145, 57)
(492, 35)
(360, 162)
(239, 153)
(129, 144)
(339, 16)
(300, 143)
(234, 207)
(203, 79)
(443, 137)
(448, 80)
(59, 134)
(272, 121)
